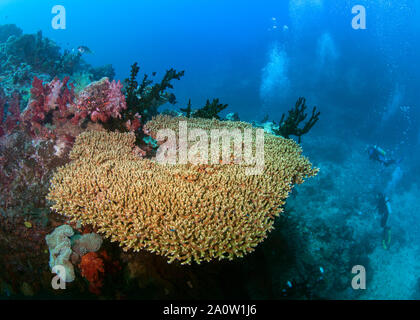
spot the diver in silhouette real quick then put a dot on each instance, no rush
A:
(378, 154)
(384, 209)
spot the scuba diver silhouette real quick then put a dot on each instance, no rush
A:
(384, 209)
(378, 154)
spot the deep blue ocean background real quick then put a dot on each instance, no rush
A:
(259, 57)
(230, 50)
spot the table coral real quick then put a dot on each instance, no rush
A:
(185, 212)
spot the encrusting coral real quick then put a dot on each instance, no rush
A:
(185, 212)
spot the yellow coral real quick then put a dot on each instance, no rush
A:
(184, 212)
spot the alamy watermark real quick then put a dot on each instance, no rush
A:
(359, 280)
(59, 20)
(59, 280)
(196, 147)
(359, 20)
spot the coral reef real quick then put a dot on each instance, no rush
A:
(33, 143)
(56, 112)
(106, 71)
(43, 55)
(7, 30)
(22, 251)
(184, 212)
(290, 126)
(26, 167)
(40, 53)
(25, 56)
(67, 248)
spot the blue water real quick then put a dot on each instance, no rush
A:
(259, 57)
(224, 47)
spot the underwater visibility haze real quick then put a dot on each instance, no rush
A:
(117, 178)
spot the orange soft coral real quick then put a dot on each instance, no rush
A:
(92, 268)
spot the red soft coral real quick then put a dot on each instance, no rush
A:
(92, 268)
(2, 104)
(13, 118)
(53, 98)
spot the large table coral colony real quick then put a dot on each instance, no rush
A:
(185, 212)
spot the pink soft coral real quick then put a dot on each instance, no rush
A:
(101, 100)
(53, 98)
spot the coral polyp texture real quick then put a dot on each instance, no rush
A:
(186, 212)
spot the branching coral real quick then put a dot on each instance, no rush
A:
(144, 99)
(209, 111)
(188, 109)
(184, 212)
(290, 126)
